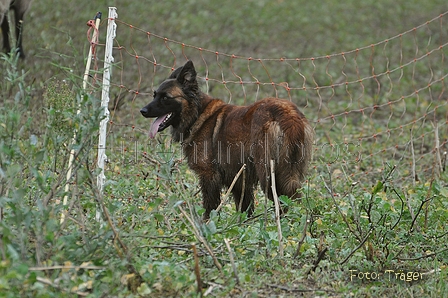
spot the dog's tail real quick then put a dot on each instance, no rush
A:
(289, 140)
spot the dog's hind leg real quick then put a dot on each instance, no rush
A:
(5, 31)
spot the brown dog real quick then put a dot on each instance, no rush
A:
(218, 138)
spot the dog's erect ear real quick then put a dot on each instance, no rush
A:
(175, 73)
(187, 73)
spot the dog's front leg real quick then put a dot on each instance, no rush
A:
(211, 190)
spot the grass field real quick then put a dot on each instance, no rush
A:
(372, 221)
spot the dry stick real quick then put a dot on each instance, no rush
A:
(84, 85)
(320, 257)
(224, 199)
(232, 261)
(428, 201)
(99, 198)
(302, 240)
(266, 191)
(50, 283)
(411, 211)
(288, 289)
(277, 210)
(196, 268)
(424, 256)
(418, 212)
(63, 267)
(355, 210)
(240, 205)
(361, 244)
(413, 160)
(344, 218)
(200, 238)
(402, 208)
(436, 171)
(109, 221)
(437, 147)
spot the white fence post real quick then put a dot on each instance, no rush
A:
(108, 59)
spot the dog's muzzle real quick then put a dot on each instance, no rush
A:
(144, 112)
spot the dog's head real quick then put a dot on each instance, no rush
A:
(169, 98)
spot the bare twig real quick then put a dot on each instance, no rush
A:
(355, 210)
(411, 211)
(428, 201)
(289, 289)
(99, 198)
(320, 257)
(64, 267)
(232, 261)
(240, 205)
(151, 160)
(277, 210)
(302, 240)
(181, 247)
(423, 256)
(413, 160)
(200, 238)
(344, 218)
(380, 186)
(358, 247)
(418, 212)
(50, 283)
(226, 196)
(437, 149)
(196, 269)
(401, 212)
(266, 192)
(211, 287)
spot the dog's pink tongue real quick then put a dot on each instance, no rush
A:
(155, 126)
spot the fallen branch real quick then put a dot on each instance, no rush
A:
(226, 196)
(439, 167)
(344, 218)
(320, 257)
(240, 205)
(277, 210)
(358, 247)
(423, 256)
(418, 212)
(50, 283)
(200, 238)
(197, 272)
(289, 289)
(124, 249)
(232, 261)
(302, 240)
(63, 267)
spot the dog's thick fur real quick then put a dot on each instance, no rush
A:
(218, 138)
(19, 7)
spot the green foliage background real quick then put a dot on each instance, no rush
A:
(142, 247)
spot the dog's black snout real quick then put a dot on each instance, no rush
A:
(144, 111)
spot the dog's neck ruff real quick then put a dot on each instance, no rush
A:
(202, 118)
